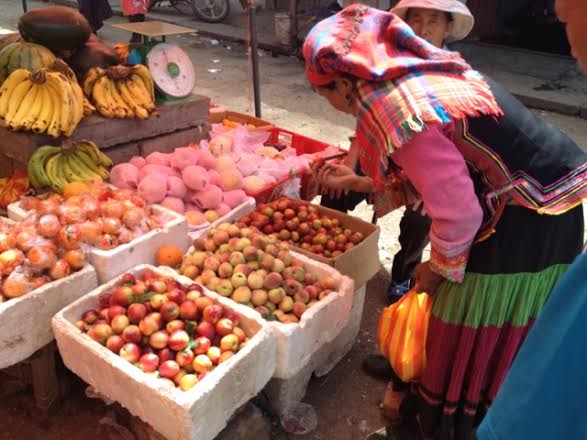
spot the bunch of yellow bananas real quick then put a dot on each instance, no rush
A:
(52, 167)
(42, 101)
(120, 91)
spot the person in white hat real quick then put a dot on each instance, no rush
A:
(437, 21)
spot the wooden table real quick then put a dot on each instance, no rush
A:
(154, 29)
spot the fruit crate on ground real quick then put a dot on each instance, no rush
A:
(199, 413)
(302, 145)
(243, 209)
(111, 263)
(219, 115)
(26, 321)
(318, 325)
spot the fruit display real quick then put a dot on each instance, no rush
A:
(53, 167)
(13, 188)
(301, 224)
(34, 253)
(42, 101)
(172, 332)
(120, 91)
(55, 27)
(257, 271)
(189, 181)
(21, 55)
(93, 215)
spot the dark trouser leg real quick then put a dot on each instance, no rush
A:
(345, 203)
(413, 238)
(137, 18)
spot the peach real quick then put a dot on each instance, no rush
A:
(174, 204)
(207, 159)
(138, 161)
(156, 169)
(184, 157)
(157, 158)
(234, 198)
(195, 218)
(253, 184)
(153, 188)
(125, 175)
(220, 145)
(230, 179)
(208, 198)
(214, 177)
(176, 187)
(195, 177)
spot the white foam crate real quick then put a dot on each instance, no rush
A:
(26, 321)
(244, 208)
(198, 414)
(320, 324)
(111, 263)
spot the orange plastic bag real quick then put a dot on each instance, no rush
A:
(401, 334)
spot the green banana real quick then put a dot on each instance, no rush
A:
(80, 165)
(55, 173)
(99, 157)
(37, 163)
(103, 172)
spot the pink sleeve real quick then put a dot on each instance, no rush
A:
(438, 171)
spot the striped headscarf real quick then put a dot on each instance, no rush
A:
(403, 82)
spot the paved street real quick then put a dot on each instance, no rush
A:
(346, 401)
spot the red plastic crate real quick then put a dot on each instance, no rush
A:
(302, 145)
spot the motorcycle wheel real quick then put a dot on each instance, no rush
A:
(211, 11)
(184, 7)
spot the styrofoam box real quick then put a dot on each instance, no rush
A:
(244, 208)
(26, 321)
(141, 250)
(320, 324)
(198, 414)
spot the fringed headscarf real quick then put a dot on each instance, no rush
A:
(403, 82)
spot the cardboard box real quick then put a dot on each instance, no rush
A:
(361, 263)
(26, 321)
(198, 414)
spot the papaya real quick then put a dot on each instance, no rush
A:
(23, 55)
(59, 28)
(7, 39)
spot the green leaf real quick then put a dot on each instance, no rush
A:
(146, 297)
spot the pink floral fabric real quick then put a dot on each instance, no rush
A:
(134, 7)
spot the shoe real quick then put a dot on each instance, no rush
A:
(397, 290)
(377, 366)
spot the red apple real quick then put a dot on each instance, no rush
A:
(104, 300)
(165, 355)
(100, 333)
(119, 323)
(212, 313)
(224, 327)
(203, 302)
(240, 334)
(149, 325)
(348, 246)
(136, 312)
(229, 343)
(169, 369)
(174, 325)
(169, 311)
(139, 289)
(158, 300)
(130, 352)
(206, 329)
(214, 354)
(192, 295)
(159, 339)
(226, 355)
(132, 333)
(203, 344)
(188, 310)
(202, 363)
(114, 343)
(90, 316)
(184, 358)
(128, 279)
(331, 245)
(267, 229)
(195, 287)
(178, 340)
(149, 362)
(356, 238)
(149, 274)
(176, 295)
(114, 311)
(122, 296)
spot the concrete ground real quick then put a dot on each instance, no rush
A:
(346, 401)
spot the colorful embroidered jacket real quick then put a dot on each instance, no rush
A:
(468, 171)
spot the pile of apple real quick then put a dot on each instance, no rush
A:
(174, 333)
(300, 224)
(257, 271)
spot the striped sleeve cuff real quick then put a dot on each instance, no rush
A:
(451, 268)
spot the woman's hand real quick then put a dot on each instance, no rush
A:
(335, 179)
(426, 280)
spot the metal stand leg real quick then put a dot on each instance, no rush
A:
(24, 6)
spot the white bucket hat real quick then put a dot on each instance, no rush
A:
(463, 20)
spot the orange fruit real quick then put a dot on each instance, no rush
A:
(75, 189)
(169, 255)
